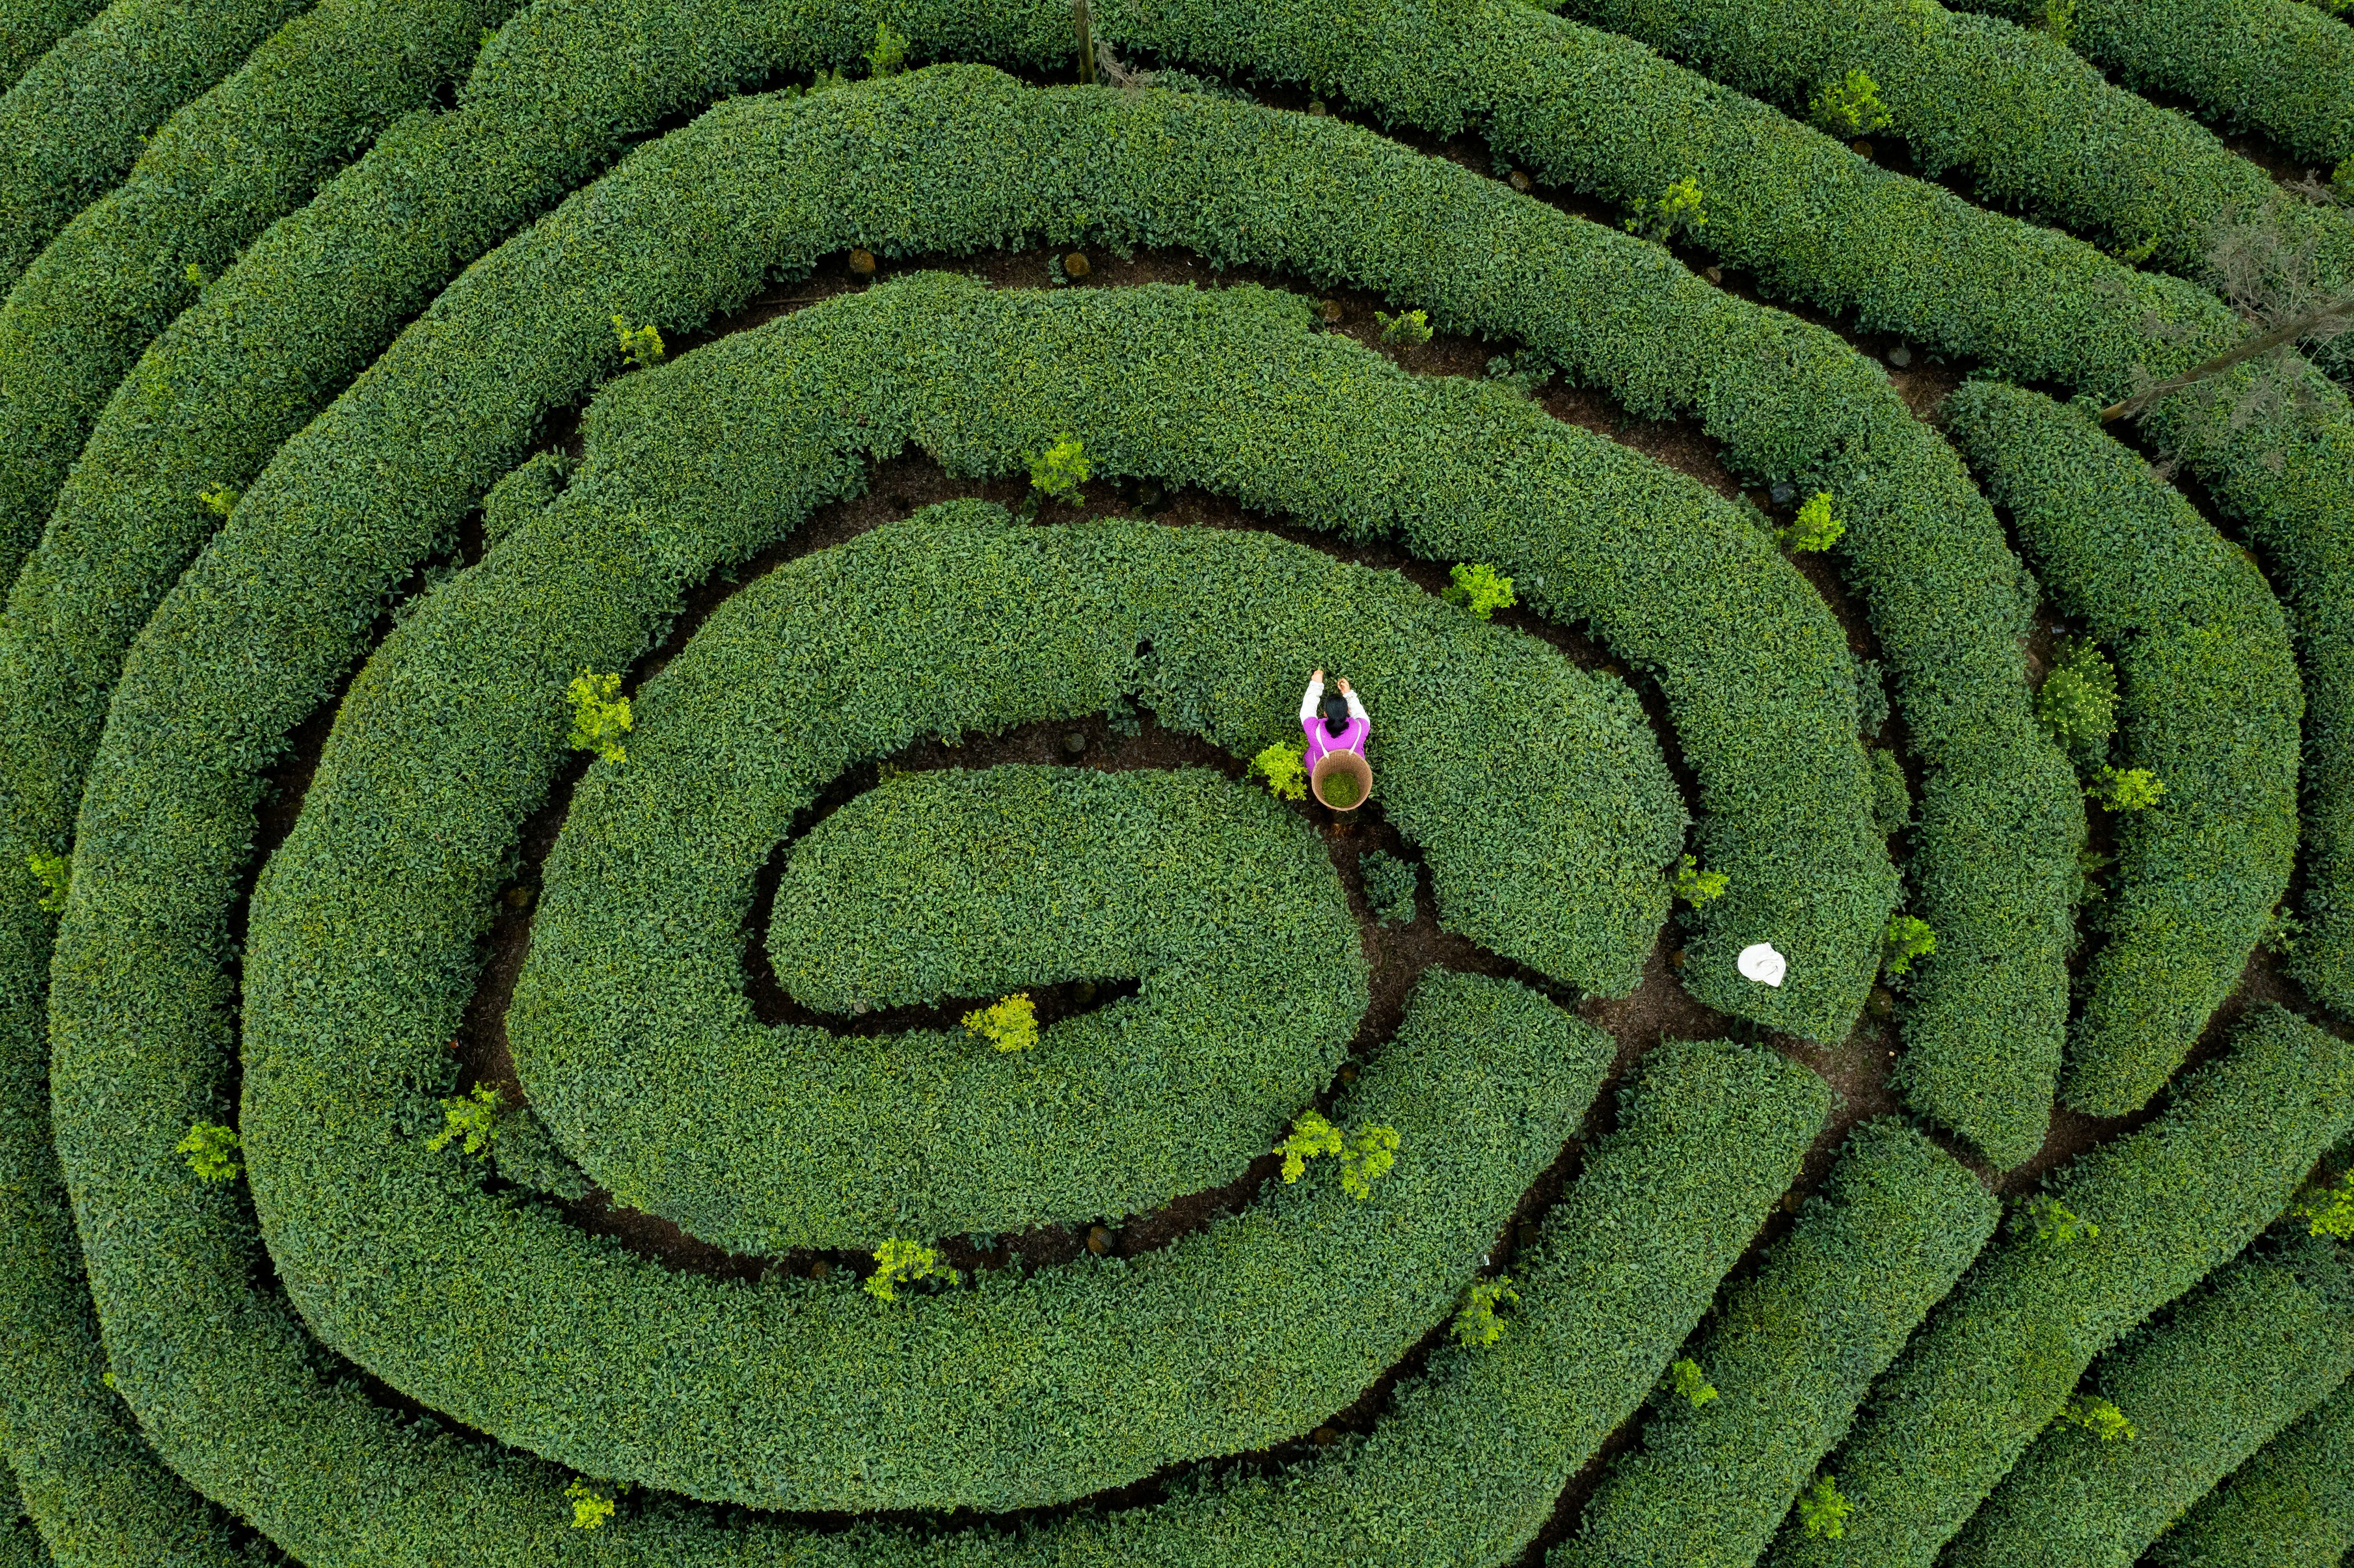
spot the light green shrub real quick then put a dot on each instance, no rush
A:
(211, 1151)
(1056, 473)
(1850, 106)
(601, 715)
(2078, 701)
(1284, 767)
(898, 1262)
(1009, 1023)
(1480, 588)
(1478, 1323)
(1679, 212)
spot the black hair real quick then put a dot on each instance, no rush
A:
(1335, 709)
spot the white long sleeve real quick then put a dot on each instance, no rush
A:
(1357, 711)
(1308, 704)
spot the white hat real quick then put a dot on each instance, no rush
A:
(1760, 962)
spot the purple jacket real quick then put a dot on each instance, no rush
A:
(1321, 740)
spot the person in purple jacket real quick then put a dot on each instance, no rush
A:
(1337, 723)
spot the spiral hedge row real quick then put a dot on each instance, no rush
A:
(31, 28)
(1996, 884)
(279, 464)
(2279, 67)
(2001, 1355)
(1790, 1352)
(2290, 1504)
(73, 123)
(2209, 701)
(1599, 114)
(211, 179)
(1506, 820)
(2259, 1345)
(2032, 125)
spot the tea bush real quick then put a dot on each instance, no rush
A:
(2211, 704)
(2275, 65)
(1247, 925)
(1390, 884)
(932, 885)
(2032, 125)
(73, 123)
(2028, 959)
(1605, 116)
(1790, 1350)
(314, 529)
(2261, 1343)
(1999, 1356)
(2290, 1506)
(207, 181)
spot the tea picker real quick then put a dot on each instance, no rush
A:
(1336, 727)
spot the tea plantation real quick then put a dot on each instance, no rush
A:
(660, 905)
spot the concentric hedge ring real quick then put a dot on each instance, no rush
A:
(402, 1261)
(432, 975)
(1544, 817)
(766, 1139)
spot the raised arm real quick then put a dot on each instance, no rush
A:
(1357, 709)
(1315, 695)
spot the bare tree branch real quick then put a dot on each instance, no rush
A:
(2331, 317)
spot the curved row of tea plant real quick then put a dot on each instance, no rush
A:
(878, 349)
(2209, 701)
(1789, 1353)
(30, 29)
(1601, 113)
(2001, 1355)
(2257, 1346)
(2036, 128)
(1026, 1389)
(217, 174)
(308, 306)
(2291, 1506)
(2281, 67)
(20, 1541)
(1544, 825)
(1997, 895)
(953, 885)
(455, 403)
(1708, 1130)
(74, 122)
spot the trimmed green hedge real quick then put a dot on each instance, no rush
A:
(1790, 1351)
(910, 336)
(975, 885)
(1545, 819)
(1603, 114)
(2281, 67)
(2209, 701)
(75, 121)
(218, 174)
(2001, 1355)
(2258, 1346)
(1230, 390)
(1026, 1389)
(2291, 1506)
(20, 1543)
(2036, 128)
(456, 401)
(30, 29)
(1946, 598)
